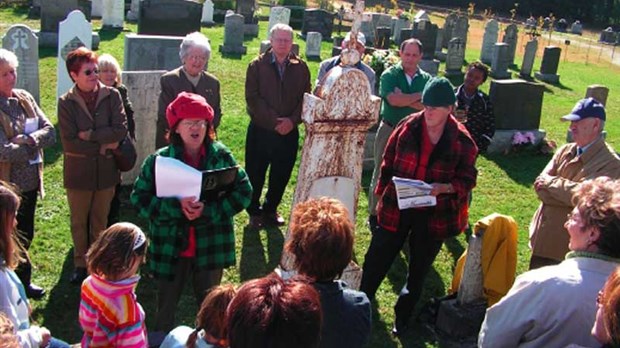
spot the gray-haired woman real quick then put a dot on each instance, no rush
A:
(24, 132)
(191, 77)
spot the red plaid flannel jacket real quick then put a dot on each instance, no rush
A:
(452, 161)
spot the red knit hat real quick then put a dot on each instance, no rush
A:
(188, 105)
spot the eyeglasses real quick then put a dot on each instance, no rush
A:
(198, 123)
(89, 72)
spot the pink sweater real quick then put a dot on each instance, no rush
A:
(110, 316)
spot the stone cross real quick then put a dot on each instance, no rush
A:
(349, 55)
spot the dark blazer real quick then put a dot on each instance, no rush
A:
(175, 82)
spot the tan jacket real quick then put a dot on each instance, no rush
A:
(175, 82)
(84, 167)
(548, 237)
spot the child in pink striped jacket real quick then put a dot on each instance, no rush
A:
(110, 315)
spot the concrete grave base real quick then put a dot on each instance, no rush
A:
(460, 321)
(502, 140)
(50, 40)
(549, 78)
(250, 30)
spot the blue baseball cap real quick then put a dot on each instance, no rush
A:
(586, 108)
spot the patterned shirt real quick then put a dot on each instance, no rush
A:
(480, 118)
(168, 227)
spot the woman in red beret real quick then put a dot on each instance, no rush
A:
(192, 236)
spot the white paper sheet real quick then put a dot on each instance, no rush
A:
(174, 178)
(413, 193)
(32, 125)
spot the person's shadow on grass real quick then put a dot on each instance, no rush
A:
(255, 262)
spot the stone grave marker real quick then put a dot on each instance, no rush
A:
(426, 32)
(113, 14)
(369, 33)
(277, 15)
(549, 66)
(35, 9)
(561, 25)
(134, 11)
(448, 29)
(500, 62)
(405, 34)
(313, 45)
(576, 28)
(22, 41)
(143, 89)
(528, 58)
(491, 32)
(431, 66)
(400, 24)
(461, 29)
(439, 53)
(233, 35)
(318, 20)
(381, 20)
(383, 38)
(151, 52)
(598, 92)
(54, 11)
(455, 57)
(511, 36)
(96, 10)
(608, 36)
(421, 15)
(169, 17)
(73, 32)
(207, 13)
(247, 8)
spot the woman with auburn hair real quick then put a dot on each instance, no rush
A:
(555, 306)
(606, 328)
(274, 313)
(92, 123)
(321, 240)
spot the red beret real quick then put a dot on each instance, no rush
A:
(188, 105)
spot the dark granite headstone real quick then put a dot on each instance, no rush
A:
(562, 25)
(426, 32)
(448, 29)
(55, 11)
(511, 36)
(608, 36)
(517, 104)
(246, 8)
(500, 61)
(320, 21)
(383, 38)
(549, 66)
(151, 52)
(169, 17)
(405, 33)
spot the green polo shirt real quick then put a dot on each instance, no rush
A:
(395, 77)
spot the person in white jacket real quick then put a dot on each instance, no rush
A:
(13, 301)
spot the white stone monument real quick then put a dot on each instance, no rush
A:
(313, 44)
(277, 15)
(491, 33)
(20, 40)
(207, 13)
(113, 13)
(75, 31)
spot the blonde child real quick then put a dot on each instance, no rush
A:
(210, 329)
(110, 315)
(13, 301)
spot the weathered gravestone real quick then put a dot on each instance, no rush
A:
(439, 53)
(233, 35)
(598, 92)
(113, 14)
(426, 32)
(549, 66)
(608, 36)
(54, 11)
(383, 38)
(431, 66)
(576, 28)
(399, 25)
(313, 45)
(421, 15)
(511, 36)
(169, 17)
(461, 29)
(455, 57)
(134, 11)
(246, 8)
(405, 34)
(368, 30)
(20, 40)
(207, 13)
(143, 89)
(278, 15)
(320, 21)
(151, 52)
(73, 32)
(561, 25)
(491, 31)
(528, 58)
(517, 106)
(96, 9)
(381, 20)
(448, 29)
(500, 61)
(331, 159)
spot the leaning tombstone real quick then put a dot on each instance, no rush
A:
(549, 66)
(528, 59)
(73, 32)
(233, 35)
(511, 36)
(500, 62)
(491, 32)
(576, 28)
(151, 52)
(455, 57)
(113, 14)
(313, 45)
(207, 14)
(169, 17)
(20, 40)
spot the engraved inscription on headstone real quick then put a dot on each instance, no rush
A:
(21, 40)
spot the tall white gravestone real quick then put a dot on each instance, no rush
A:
(491, 32)
(277, 15)
(75, 31)
(207, 13)
(20, 40)
(113, 13)
(528, 58)
(313, 44)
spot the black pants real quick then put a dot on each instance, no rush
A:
(115, 206)
(386, 245)
(25, 231)
(264, 149)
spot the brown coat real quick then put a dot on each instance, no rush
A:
(269, 97)
(175, 82)
(548, 237)
(84, 167)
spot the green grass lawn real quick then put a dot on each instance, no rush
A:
(504, 186)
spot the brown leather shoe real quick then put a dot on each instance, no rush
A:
(273, 219)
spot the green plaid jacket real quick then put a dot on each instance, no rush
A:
(168, 227)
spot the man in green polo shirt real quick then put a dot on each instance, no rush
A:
(400, 87)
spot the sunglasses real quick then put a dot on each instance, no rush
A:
(88, 72)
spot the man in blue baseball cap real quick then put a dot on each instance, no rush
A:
(588, 157)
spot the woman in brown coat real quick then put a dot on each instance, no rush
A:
(92, 123)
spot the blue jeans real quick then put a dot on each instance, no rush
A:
(56, 343)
